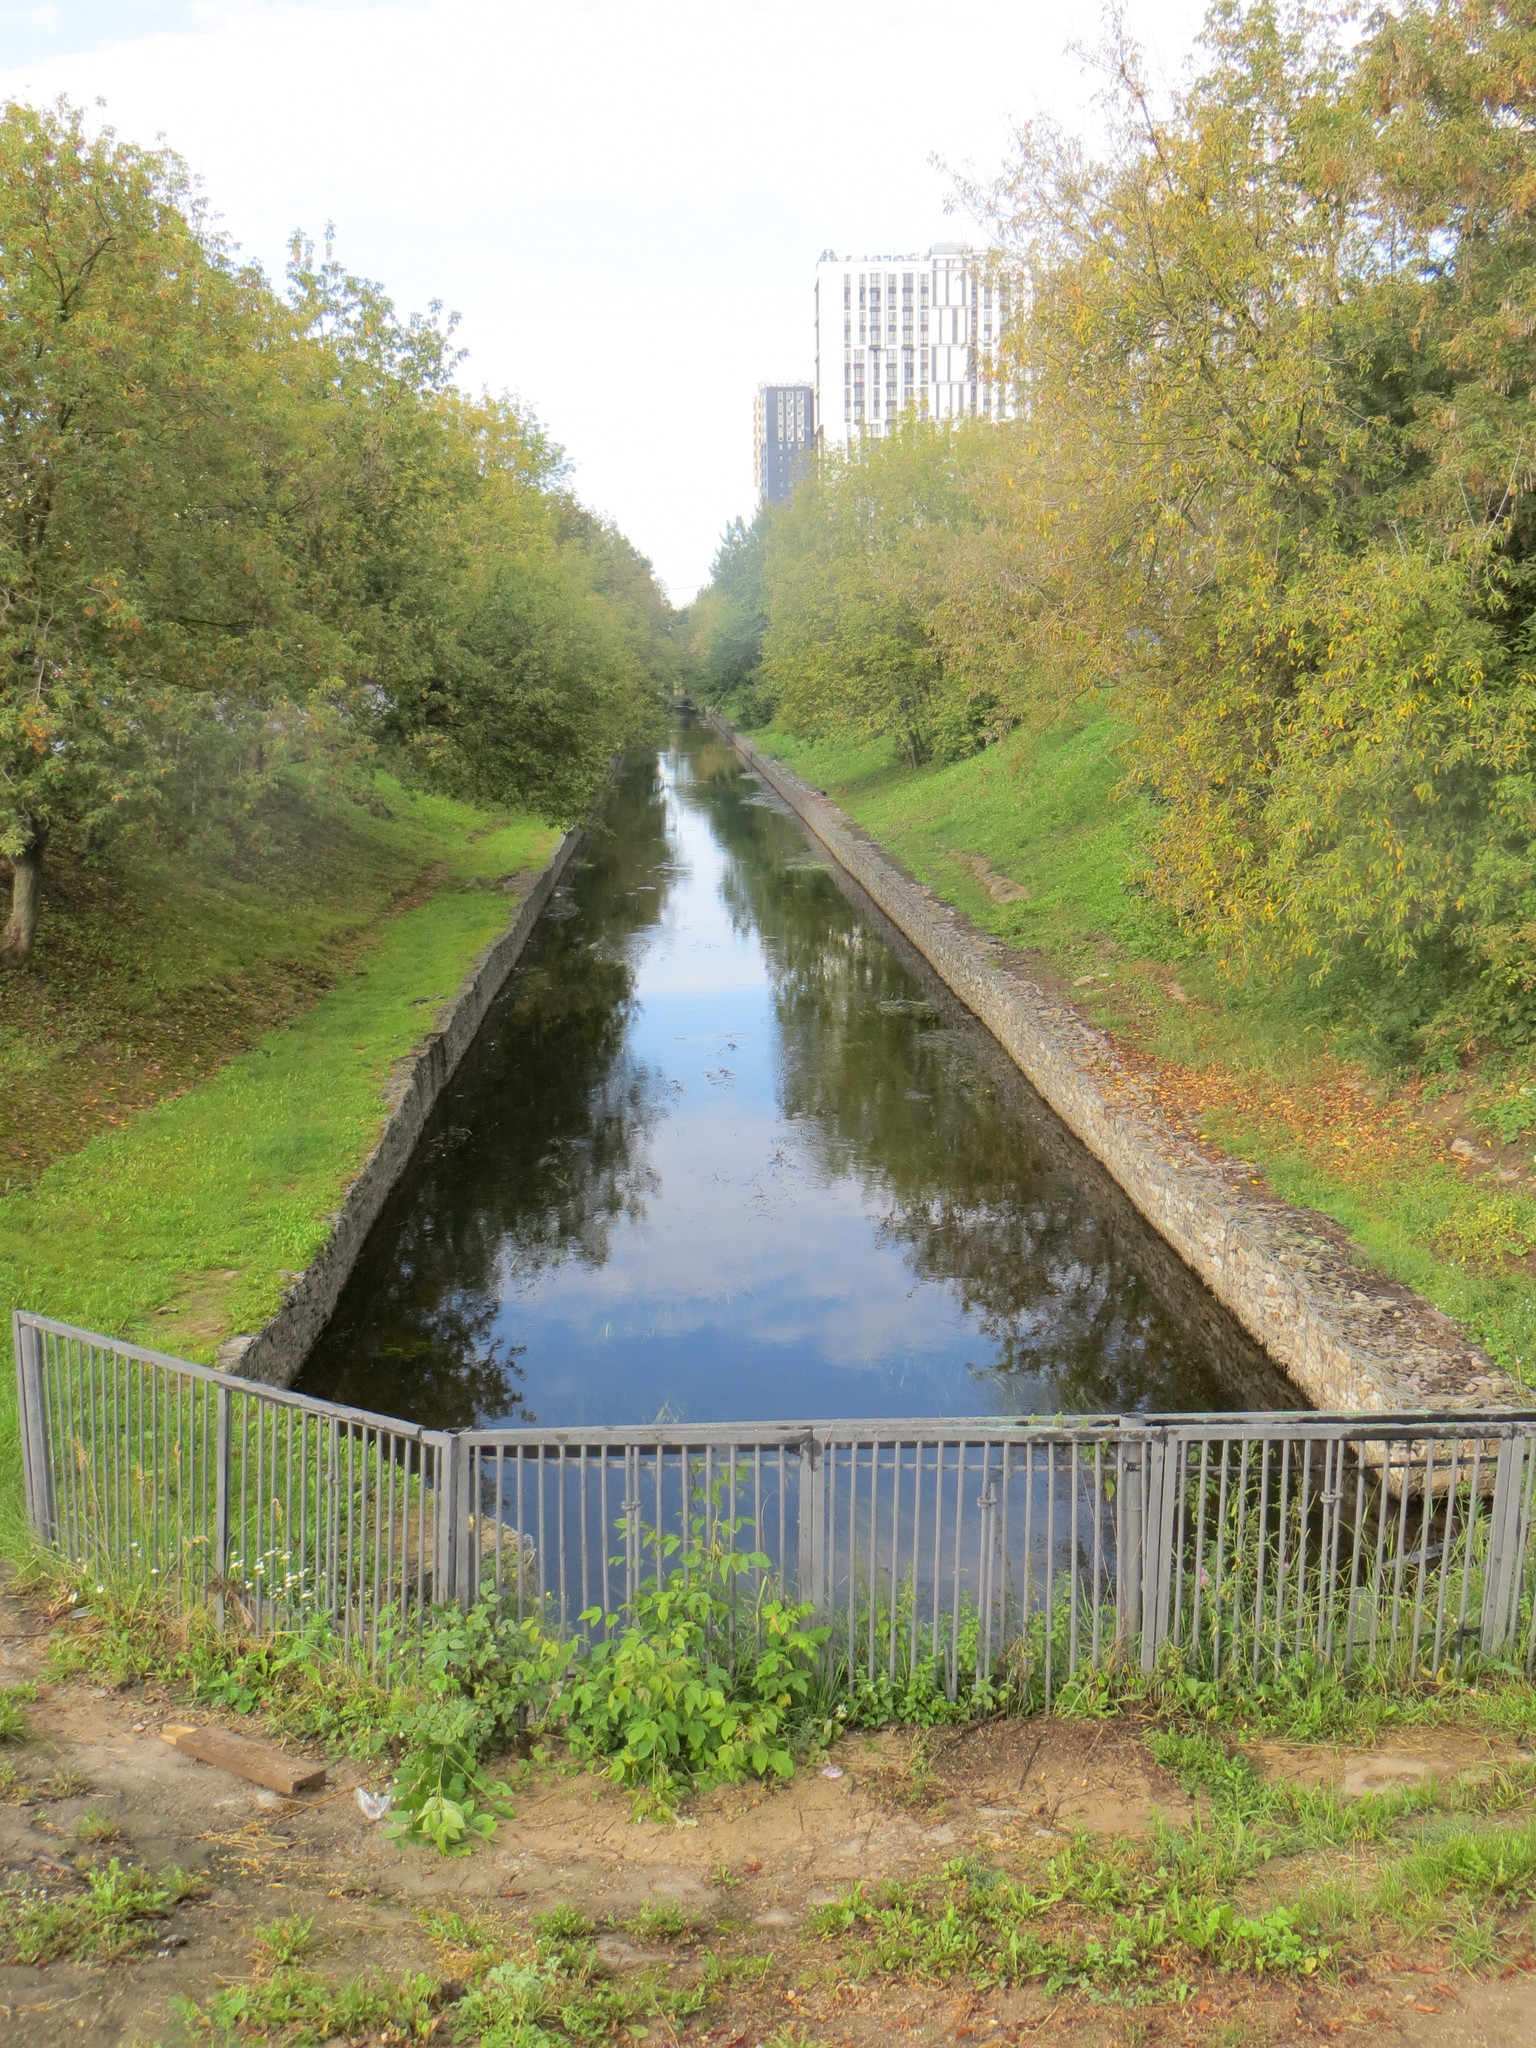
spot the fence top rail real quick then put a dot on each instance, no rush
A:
(1300, 1425)
(1303, 1425)
(230, 1382)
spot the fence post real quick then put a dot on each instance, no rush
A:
(1160, 1461)
(812, 1529)
(466, 1566)
(220, 1500)
(1507, 1534)
(985, 1574)
(1130, 1545)
(36, 1451)
(631, 1505)
(445, 1546)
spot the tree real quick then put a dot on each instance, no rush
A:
(857, 567)
(143, 574)
(236, 526)
(728, 621)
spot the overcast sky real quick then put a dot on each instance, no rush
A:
(623, 198)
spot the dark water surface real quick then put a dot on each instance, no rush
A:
(726, 1151)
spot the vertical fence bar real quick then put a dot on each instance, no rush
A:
(36, 1459)
(221, 1454)
(1504, 1546)
(1129, 1543)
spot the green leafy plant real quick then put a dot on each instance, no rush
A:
(706, 1680)
(440, 1793)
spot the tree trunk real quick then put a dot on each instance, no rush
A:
(17, 940)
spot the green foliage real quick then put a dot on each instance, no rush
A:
(283, 1942)
(855, 578)
(114, 1915)
(440, 1794)
(1269, 488)
(299, 2008)
(14, 1726)
(561, 1992)
(372, 557)
(725, 626)
(1118, 1917)
(660, 1920)
(706, 1680)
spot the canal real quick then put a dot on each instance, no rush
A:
(726, 1150)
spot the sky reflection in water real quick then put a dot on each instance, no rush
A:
(720, 1155)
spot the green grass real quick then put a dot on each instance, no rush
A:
(178, 1227)
(1288, 1076)
(543, 1988)
(116, 1913)
(1251, 1886)
(1039, 811)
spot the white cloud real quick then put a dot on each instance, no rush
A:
(624, 198)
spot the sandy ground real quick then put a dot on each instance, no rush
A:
(747, 1868)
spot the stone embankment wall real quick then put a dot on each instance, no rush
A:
(1347, 1336)
(279, 1348)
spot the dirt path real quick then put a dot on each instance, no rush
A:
(746, 1868)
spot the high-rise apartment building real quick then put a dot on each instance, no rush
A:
(784, 424)
(899, 331)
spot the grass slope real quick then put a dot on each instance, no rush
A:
(1035, 841)
(178, 1225)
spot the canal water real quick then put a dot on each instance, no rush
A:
(726, 1151)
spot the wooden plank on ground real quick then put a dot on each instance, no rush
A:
(258, 1761)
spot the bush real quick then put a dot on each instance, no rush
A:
(700, 1686)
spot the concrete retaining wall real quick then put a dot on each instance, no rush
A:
(279, 1348)
(1346, 1335)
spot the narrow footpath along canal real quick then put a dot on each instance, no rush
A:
(727, 1151)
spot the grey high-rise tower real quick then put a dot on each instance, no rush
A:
(784, 428)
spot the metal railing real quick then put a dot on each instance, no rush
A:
(1407, 1542)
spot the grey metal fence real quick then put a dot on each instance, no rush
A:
(1243, 1541)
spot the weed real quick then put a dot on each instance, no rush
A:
(302, 2010)
(1486, 1865)
(15, 1790)
(694, 1690)
(472, 1941)
(14, 1726)
(440, 1793)
(660, 1920)
(1118, 1917)
(282, 1943)
(558, 1991)
(97, 1825)
(113, 1916)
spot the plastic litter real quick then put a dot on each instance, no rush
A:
(832, 1770)
(372, 1805)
